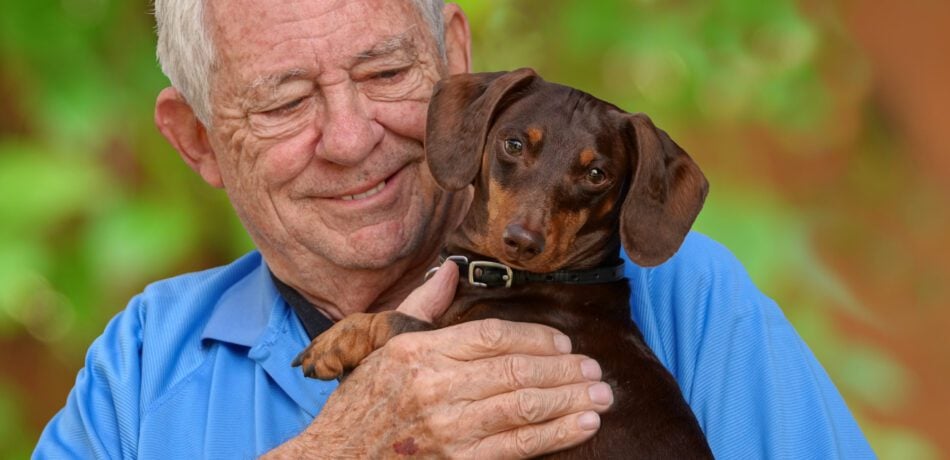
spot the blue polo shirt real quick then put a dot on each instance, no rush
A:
(198, 366)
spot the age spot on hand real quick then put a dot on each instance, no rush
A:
(406, 447)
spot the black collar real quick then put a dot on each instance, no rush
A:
(312, 319)
(484, 273)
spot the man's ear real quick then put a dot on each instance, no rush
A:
(458, 40)
(177, 122)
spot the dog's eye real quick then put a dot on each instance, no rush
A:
(513, 146)
(596, 176)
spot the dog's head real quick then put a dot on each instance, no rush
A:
(555, 172)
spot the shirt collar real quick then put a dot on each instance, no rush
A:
(242, 314)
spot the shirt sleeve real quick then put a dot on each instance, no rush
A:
(755, 387)
(101, 415)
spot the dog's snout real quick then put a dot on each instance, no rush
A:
(521, 243)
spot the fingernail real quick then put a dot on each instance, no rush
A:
(591, 370)
(600, 393)
(589, 421)
(562, 343)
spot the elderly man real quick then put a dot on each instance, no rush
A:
(310, 115)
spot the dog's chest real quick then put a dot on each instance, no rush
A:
(564, 307)
(595, 317)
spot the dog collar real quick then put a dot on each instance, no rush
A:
(485, 273)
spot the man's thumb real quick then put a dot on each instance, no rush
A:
(430, 300)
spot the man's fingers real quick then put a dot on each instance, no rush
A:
(493, 337)
(534, 440)
(531, 406)
(431, 299)
(515, 372)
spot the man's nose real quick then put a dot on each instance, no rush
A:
(349, 130)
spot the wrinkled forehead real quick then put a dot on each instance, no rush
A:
(253, 33)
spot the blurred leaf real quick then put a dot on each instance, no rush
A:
(141, 239)
(899, 443)
(39, 187)
(20, 268)
(878, 379)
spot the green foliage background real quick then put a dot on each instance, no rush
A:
(94, 204)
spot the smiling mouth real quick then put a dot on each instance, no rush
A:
(359, 196)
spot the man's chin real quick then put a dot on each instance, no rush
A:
(369, 258)
(377, 242)
(374, 250)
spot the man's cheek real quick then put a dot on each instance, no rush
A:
(405, 118)
(281, 162)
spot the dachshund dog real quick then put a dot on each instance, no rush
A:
(562, 181)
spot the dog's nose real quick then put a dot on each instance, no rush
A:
(521, 243)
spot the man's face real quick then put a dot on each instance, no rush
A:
(318, 119)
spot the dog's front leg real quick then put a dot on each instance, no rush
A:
(342, 347)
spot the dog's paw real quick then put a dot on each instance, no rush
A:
(338, 350)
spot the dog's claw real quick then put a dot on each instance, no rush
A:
(297, 360)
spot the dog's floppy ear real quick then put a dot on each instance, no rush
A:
(666, 193)
(461, 112)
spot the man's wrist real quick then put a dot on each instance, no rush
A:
(300, 446)
(317, 441)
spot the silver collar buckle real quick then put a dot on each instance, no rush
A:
(479, 269)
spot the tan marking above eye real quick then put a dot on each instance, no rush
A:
(587, 156)
(535, 135)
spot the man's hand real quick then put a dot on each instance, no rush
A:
(481, 389)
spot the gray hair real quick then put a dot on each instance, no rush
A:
(186, 53)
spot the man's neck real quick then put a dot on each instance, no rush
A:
(337, 291)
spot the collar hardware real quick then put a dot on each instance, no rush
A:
(491, 274)
(483, 273)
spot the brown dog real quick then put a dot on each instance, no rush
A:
(561, 179)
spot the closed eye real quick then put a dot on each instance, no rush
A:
(390, 74)
(284, 108)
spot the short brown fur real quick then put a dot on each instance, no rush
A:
(651, 196)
